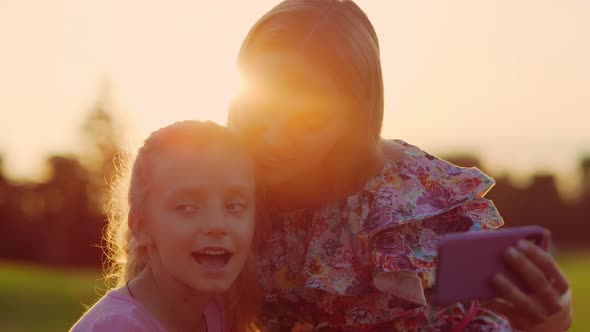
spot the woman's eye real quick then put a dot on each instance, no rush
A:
(255, 131)
(308, 121)
(313, 125)
(313, 122)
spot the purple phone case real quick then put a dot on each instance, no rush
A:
(468, 261)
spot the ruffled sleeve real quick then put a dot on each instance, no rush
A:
(431, 198)
(370, 258)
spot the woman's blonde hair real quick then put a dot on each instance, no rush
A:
(126, 258)
(336, 38)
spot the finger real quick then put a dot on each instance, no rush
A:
(546, 263)
(505, 308)
(534, 312)
(535, 278)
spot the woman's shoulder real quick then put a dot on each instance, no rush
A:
(397, 150)
(116, 312)
(419, 170)
(415, 184)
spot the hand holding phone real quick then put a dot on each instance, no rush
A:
(468, 261)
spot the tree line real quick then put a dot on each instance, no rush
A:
(60, 220)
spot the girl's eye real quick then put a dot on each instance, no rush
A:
(186, 208)
(237, 206)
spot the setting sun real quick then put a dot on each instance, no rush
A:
(171, 61)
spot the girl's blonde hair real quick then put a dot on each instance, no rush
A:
(126, 258)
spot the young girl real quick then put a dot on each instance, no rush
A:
(180, 242)
(355, 218)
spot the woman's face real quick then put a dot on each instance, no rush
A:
(291, 115)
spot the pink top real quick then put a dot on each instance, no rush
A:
(118, 312)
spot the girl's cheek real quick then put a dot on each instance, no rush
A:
(246, 231)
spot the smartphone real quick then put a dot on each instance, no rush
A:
(468, 261)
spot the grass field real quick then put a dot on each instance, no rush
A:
(577, 269)
(44, 299)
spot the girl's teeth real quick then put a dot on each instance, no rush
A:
(213, 251)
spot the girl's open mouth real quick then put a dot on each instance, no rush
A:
(213, 259)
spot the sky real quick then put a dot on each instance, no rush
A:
(507, 79)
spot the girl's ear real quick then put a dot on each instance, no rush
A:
(138, 229)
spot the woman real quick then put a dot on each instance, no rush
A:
(354, 218)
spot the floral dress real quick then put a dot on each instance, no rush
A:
(367, 262)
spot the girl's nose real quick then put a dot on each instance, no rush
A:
(216, 224)
(216, 231)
